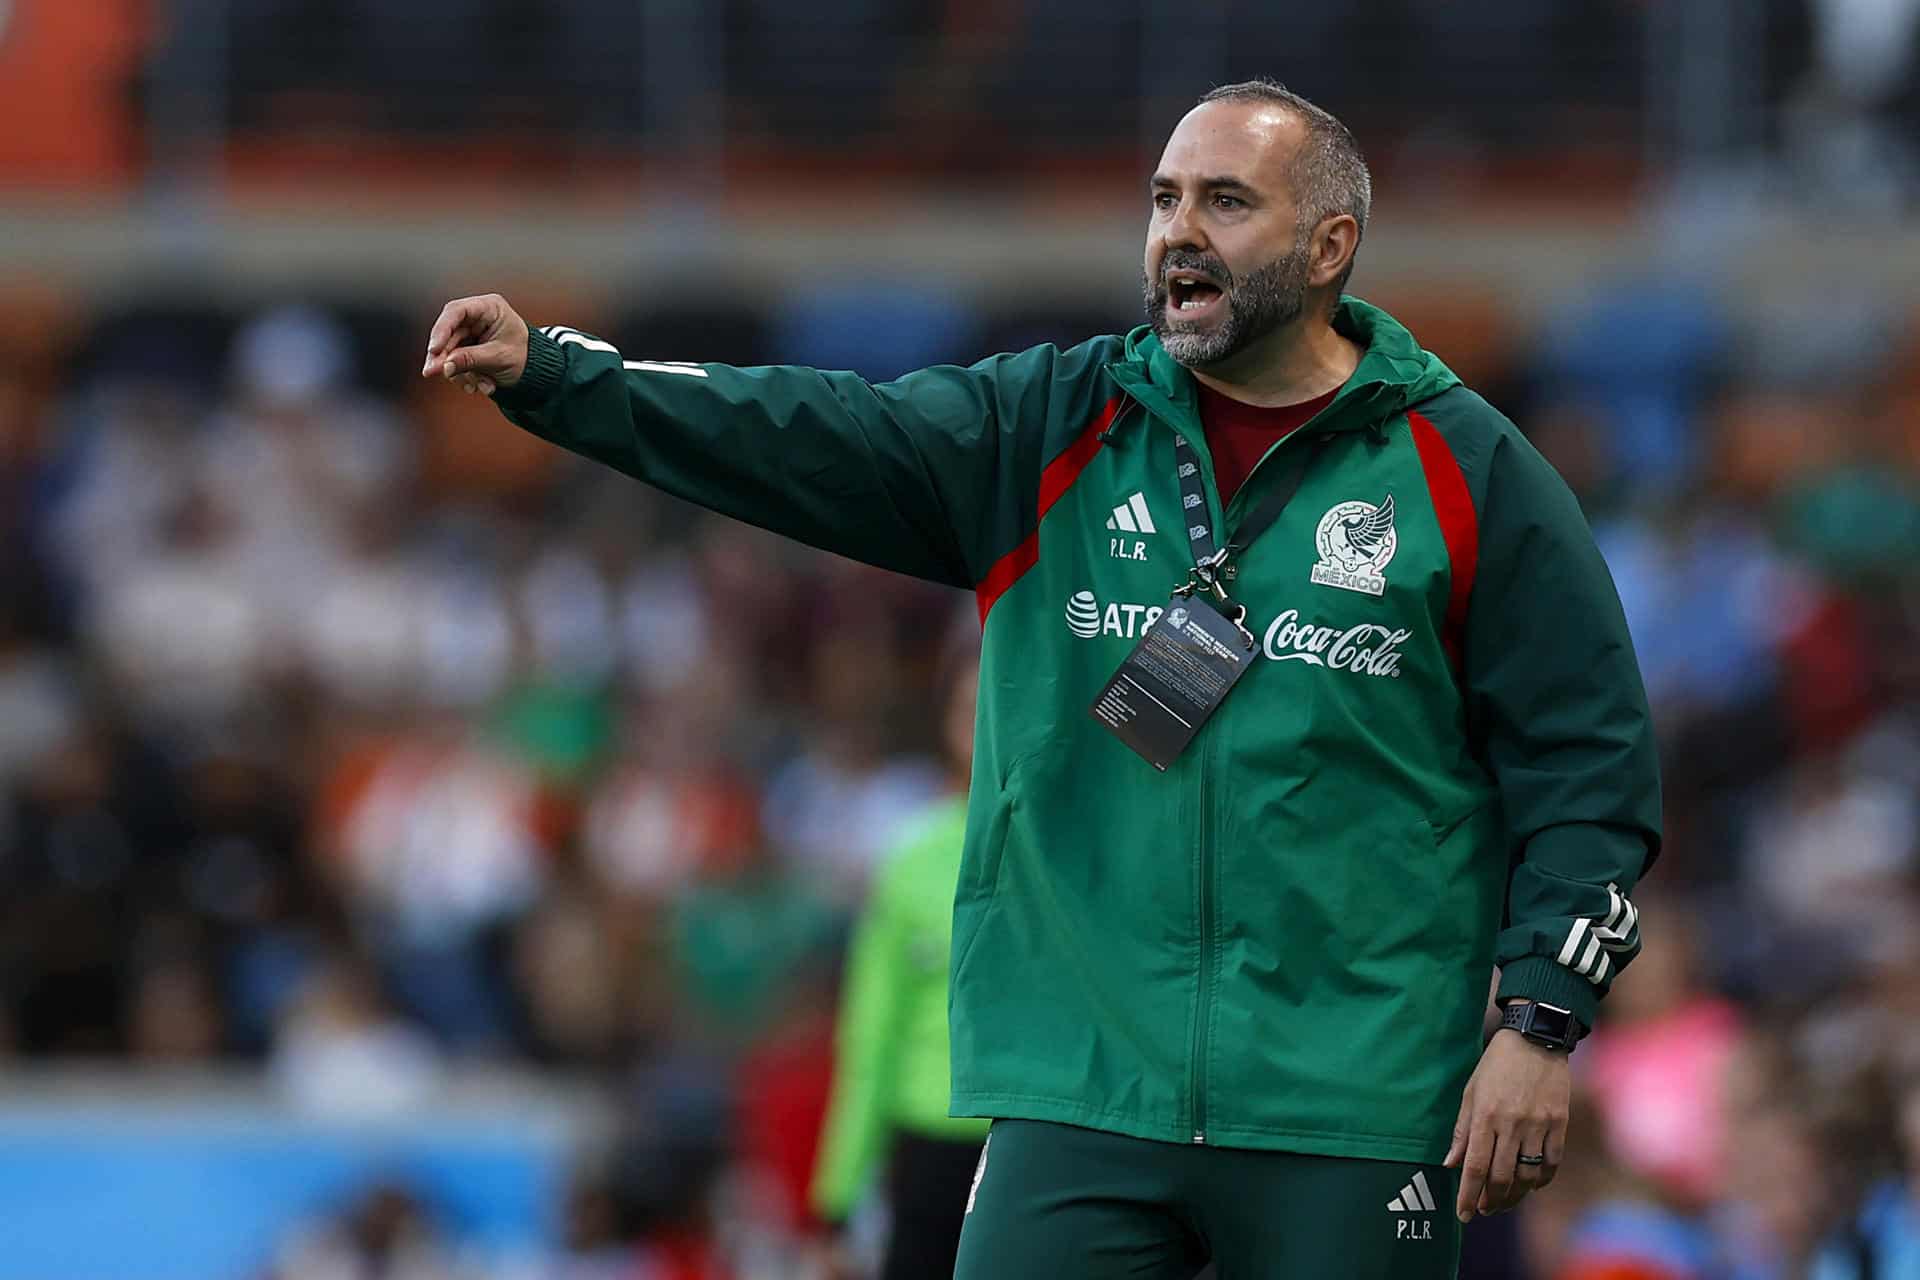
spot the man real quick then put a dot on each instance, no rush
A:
(1239, 862)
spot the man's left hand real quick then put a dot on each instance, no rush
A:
(1516, 1103)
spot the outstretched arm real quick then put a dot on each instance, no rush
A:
(934, 474)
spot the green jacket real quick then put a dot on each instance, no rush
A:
(890, 1069)
(1285, 940)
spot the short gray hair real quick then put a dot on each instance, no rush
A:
(1329, 174)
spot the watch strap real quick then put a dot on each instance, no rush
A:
(1549, 1026)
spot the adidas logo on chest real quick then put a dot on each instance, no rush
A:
(1130, 517)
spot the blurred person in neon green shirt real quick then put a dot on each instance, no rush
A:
(891, 1075)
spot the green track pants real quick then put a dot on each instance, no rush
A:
(1055, 1202)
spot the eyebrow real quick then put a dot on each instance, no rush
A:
(1221, 183)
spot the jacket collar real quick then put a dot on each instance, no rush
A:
(1393, 373)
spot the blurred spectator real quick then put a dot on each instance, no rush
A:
(1640, 359)
(386, 1235)
(1656, 1068)
(1844, 126)
(1883, 1237)
(741, 928)
(39, 692)
(122, 466)
(1636, 1240)
(784, 1083)
(1829, 855)
(298, 450)
(342, 1051)
(440, 843)
(669, 1168)
(1607, 1224)
(1780, 1198)
(837, 805)
(652, 829)
(176, 1016)
(87, 862)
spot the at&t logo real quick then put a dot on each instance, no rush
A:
(1086, 619)
(1083, 615)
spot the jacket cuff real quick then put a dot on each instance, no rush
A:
(1543, 979)
(546, 363)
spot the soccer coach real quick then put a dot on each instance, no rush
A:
(1240, 856)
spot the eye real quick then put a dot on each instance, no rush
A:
(1229, 202)
(1165, 200)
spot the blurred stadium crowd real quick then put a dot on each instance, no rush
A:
(345, 731)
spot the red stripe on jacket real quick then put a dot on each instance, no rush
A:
(1054, 481)
(1459, 524)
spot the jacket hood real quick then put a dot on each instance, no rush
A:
(1393, 375)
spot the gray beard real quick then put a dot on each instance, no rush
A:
(1266, 299)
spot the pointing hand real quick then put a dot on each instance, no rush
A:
(479, 342)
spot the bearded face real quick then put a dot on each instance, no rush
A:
(1205, 314)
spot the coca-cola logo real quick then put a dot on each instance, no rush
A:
(1367, 649)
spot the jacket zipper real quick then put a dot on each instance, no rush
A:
(1203, 1003)
(1203, 1000)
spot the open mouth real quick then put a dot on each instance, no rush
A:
(1192, 294)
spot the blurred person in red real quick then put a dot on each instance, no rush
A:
(891, 1067)
(781, 1092)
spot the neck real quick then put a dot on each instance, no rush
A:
(1294, 363)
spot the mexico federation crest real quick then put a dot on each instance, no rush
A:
(1355, 540)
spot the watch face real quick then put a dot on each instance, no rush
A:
(1551, 1021)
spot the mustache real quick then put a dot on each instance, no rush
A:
(1205, 263)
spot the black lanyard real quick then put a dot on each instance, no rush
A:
(1211, 561)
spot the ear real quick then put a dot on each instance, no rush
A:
(1331, 249)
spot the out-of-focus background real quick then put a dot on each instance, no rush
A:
(425, 855)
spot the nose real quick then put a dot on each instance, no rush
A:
(1182, 229)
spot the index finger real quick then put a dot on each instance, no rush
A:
(453, 318)
(1473, 1170)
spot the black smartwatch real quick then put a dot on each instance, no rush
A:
(1547, 1025)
